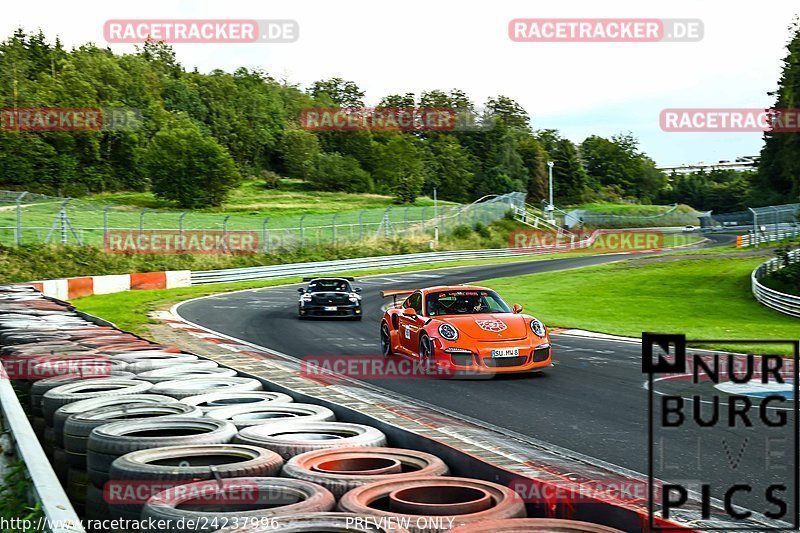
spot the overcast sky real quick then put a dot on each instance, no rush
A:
(416, 45)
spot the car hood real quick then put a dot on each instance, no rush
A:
(490, 327)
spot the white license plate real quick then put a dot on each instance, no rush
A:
(330, 308)
(506, 352)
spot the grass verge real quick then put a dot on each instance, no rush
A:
(703, 297)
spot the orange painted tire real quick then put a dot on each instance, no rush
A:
(342, 469)
(430, 502)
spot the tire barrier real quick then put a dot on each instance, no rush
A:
(267, 497)
(185, 372)
(38, 388)
(425, 501)
(220, 400)
(343, 469)
(245, 415)
(79, 426)
(113, 440)
(72, 392)
(538, 525)
(292, 439)
(181, 388)
(181, 465)
(82, 406)
(316, 522)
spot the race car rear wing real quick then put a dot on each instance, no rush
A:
(394, 293)
(348, 278)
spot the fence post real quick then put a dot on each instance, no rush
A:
(265, 235)
(225, 233)
(386, 222)
(333, 223)
(755, 225)
(64, 220)
(105, 222)
(302, 232)
(141, 219)
(180, 228)
(18, 232)
(361, 225)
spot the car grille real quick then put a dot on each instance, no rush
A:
(540, 354)
(330, 298)
(461, 359)
(500, 362)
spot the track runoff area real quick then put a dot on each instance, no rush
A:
(716, 430)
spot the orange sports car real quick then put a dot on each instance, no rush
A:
(464, 329)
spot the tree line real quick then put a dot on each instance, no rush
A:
(200, 134)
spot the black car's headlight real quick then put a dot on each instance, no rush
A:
(448, 332)
(538, 328)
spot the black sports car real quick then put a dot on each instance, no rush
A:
(331, 297)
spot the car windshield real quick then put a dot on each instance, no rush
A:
(329, 285)
(466, 302)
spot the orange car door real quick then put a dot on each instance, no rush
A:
(409, 326)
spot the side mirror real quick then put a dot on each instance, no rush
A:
(357, 289)
(409, 312)
(517, 309)
(301, 290)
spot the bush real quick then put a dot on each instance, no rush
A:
(462, 232)
(188, 166)
(482, 230)
(271, 179)
(335, 172)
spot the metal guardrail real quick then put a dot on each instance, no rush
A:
(321, 267)
(59, 515)
(788, 304)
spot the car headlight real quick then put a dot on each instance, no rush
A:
(354, 297)
(538, 328)
(306, 298)
(448, 332)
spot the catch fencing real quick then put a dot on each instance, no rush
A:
(785, 303)
(28, 218)
(773, 223)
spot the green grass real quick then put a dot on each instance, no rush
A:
(704, 297)
(630, 209)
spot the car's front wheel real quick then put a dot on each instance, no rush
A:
(386, 340)
(425, 348)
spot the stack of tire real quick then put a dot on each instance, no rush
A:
(146, 440)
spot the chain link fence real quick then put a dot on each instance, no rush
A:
(28, 218)
(674, 216)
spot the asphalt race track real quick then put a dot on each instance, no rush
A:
(593, 401)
